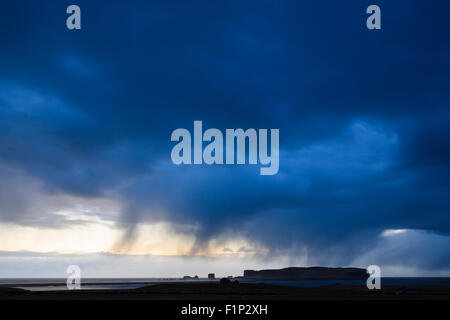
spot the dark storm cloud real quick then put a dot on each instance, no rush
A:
(363, 115)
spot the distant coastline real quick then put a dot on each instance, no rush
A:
(307, 273)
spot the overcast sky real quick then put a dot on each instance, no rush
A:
(86, 118)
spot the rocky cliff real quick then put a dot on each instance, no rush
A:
(308, 273)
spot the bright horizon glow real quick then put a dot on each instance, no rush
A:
(95, 237)
(392, 232)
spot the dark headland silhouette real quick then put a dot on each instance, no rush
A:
(307, 273)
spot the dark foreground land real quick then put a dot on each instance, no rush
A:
(216, 291)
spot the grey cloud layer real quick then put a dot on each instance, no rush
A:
(363, 117)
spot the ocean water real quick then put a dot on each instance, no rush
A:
(133, 283)
(83, 287)
(59, 284)
(384, 281)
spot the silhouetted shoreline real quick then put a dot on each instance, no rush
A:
(242, 291)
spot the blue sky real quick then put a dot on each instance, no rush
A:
(86, 118)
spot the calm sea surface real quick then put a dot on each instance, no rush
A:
(384, 281)
(58, 284)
